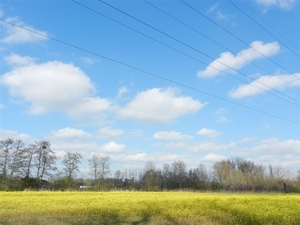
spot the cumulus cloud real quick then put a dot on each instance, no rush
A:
(275, 146)
(274, 82)
(107, 132)
(247, 139)
(112, 147)
(89, 107)
(171, 136)
(122, 90)
(208, 133)
(140, 158)
(223, 119)
(273, 151)
(54, 86)
(133, 157)
(60, 147)
(15, 135)
(136, 133)
(212, 158)
(281, 4)
(159, 106)
(227, 61)
(15, 35)
(16, 60)
(209, 147)
(70, 134)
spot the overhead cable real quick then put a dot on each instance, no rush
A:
(149, 73)
(208, 56)
(270, 25)
(262, 27)
(238, 55)
(201, 14)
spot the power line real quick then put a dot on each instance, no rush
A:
(197, 11)
(181, 42)
(297, 47)
(227, 50)
(203, 35)
(261, 26)
(149, 73)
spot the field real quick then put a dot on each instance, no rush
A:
(147, 208)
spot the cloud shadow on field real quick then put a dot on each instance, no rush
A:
(80, 220)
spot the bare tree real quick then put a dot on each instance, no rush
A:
(45, 159)
(221, 171)
(104, 167)
(27, 161)
(150, 177)
(166, 176)
(118, 174)
(16, 163)
(179, 172)
(70, 162)
(6, 147)
(10, 159)
(201, 173)
(94, 163)
(99, 168)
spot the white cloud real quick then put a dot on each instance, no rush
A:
(212, 8)
(141, 158)
(86, 149)
(122, 90)
(273, 82)
(223, 119)
(112, 147)
(227, 59)
(159, 106)
(222, 16)
(134, 157)
(171, 136)
(275, 146)
(220, 111)
(136, 133)
(2, 106)
(89, 61)
(55, 86)
(177, 145)
(209, 147)
(15, 60)
(212, 158)
(273, 151)
(247, 140)
(281, 4)
(16, 35)
(208, 133)
(26, 138)
(89, 107)
(70, 134)
(107, 132)
(60, 147)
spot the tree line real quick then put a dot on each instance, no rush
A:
(34, 167)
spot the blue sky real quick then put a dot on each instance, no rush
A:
(159, 81)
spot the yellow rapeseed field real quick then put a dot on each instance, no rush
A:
(148, 208)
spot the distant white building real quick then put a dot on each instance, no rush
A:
(82, 188)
